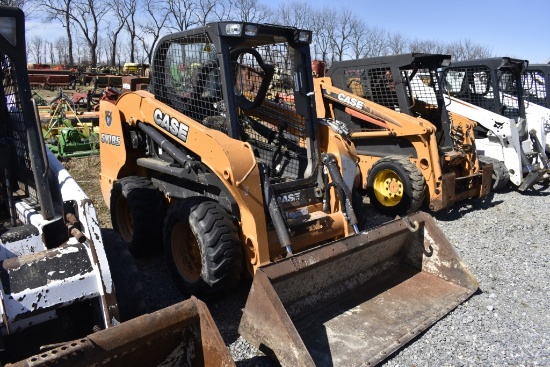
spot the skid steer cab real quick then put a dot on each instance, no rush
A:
(412, 150)
(490, 92)
(226, 164)
(536, 85)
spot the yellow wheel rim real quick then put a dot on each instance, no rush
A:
(186, 252)
(388, 188)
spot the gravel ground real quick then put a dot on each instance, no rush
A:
(505, 240)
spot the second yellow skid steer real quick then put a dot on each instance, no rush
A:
(410, 152)
(224, 162)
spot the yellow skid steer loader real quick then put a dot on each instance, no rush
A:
(224, 161)
(411, 152)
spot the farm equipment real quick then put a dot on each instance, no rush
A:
(489, 91)
(226, 163)
(410, 152)
(66, 286)
(65, 134)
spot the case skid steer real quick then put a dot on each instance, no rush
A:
(490, 92)
(64, 288)
(410, 151)
(229, 143)
(536, 84)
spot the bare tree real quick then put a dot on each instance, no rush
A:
(17, 3)
(141, 56)
(467, 50)
(29, 7)
(120, 56)
(322, 26)
(341, 33)
(357, 41)
(115, 28)
(88, 15)
(206, 11)
(427, 46)
(293, 14)
(375, 42)
(105, 45)
(475, 50)
(34, 48)
(131, 9)
(102, 56)
(181, 14)
(60, 46)
(249, 11)
(81, 48)
(396, 43)
(60, 10)
(222, 11)
(50, 51)
(151, 30)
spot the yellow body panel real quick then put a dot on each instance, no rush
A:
(419, 132)
(231, 160)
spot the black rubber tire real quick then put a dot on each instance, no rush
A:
(500, 177)
(126, 278)
(358, 207)
(410, 186)
(203, 248)
(137, 214)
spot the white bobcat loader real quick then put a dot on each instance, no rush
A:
(489, 92)
(64, 292)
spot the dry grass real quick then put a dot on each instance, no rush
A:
(85, 171)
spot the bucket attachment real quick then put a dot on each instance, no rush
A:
(180, 335)
(355, 301)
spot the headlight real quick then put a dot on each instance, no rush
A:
(251, 30)
(302, 36)
(233, 29)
